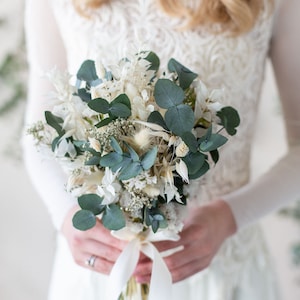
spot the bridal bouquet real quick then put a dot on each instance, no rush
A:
(131, 139)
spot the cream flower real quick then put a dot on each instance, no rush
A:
(95, 144)
(109, 187)
(207, 102)
(151, 191)
(65, 147)
(182, 170)
(182, 149)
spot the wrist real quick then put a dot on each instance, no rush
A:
(224, 213)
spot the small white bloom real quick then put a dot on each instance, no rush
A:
(64, 147)
(182, 149)
(182, 170)
(142, 138)
(151, 191)
(95, 144)
(109, 187)
(131, 90)
(100, 70)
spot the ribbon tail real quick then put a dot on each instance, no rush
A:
(161, 279)
(122, 270)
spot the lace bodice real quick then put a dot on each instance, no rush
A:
(235, 64)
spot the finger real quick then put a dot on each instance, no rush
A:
(100, 265)
(191, 253)
(189, 235)
(103, 235)
(190, 269)
(101, 250)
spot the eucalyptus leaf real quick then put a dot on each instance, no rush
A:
(119, 110)
(122, 165)
(99, 105)
(194, 162)
(156, 118)
(81, 144)
(216, 140)
(55, 143)
(214, 155)
(229, 119)
(84, 95)
(54, 122)
(180, 119)
(91, 202)
(155, 225)
(111, 159)
(133, 155)
(93, 161)
(132, 170)
(123, 98)
(87, 71)
(167, 93)
(201, 172)
(154, 217)
(149, 158)
(113, 217)
(154, 61)
(185, 76)
(190, 140)
(115, 145)
(84, 220)
(105, 122)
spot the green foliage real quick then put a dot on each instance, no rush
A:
(128, 163)
(215, 141)
(194, 162)
(91, 206)
(55, 122)
(154, 60)
(84, 220)
(156, 118)
(113, 218)
(179, 117)
(154, 218)
(185, 76)
(229, 119)
(168, 94)
(87, 72)
(120, 107)
(91, 202)
(191, 141)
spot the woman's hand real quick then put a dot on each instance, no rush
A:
(97, 242)
(205, 230)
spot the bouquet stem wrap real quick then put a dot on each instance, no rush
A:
(161, 279)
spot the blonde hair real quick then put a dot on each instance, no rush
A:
(237, 16)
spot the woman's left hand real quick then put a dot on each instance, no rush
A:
(205, 230)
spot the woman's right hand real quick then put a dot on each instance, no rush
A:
(96, 241)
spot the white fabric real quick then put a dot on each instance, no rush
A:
(234, 63)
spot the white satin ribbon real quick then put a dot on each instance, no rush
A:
(161, 279)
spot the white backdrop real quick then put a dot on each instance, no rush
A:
(26, 234)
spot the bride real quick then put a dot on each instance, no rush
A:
(227, 42)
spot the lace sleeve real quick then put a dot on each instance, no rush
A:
(45, 50)
(281, 184)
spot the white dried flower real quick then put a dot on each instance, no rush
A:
(95, 144)
(182, 149)
(182, 170)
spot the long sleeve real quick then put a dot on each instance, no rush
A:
(45, 50)
(281, 184)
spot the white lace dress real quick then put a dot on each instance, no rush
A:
(242, 269)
